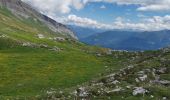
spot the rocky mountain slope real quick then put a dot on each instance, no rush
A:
(23, 10)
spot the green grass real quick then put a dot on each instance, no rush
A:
(165, 76)
(31, 71)
(28, 72)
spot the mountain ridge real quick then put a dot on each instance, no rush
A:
(83, 32)
(23, 10)
(130, 40)
(38, 64)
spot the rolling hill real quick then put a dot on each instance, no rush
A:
(35, 58)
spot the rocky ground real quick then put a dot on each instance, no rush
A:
(142, 79)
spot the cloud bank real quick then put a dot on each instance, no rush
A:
(64, 6)
(86, 22)
(154, 23)
(55, 8)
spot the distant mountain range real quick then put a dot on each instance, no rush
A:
(130, 40)
(83, 32)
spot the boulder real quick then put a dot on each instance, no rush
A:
(139, 90)
(40, 36)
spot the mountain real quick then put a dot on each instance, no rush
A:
(83, 32)
(35, 57)
(23, 10)
(39, 63)
(130, 40)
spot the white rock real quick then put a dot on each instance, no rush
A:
(99, 54)
(115, 82)
(130, 67)
(43, 46)
(106, 66)
(41, 36)
(61, 92)
(139, 90)
(111, 75)
(164, 98)
(109, 52)
(162, 70)
(124, 73)
(141, 72)
(50, 38)
(82, 92)
(129, 86)
(163, 82)
(115, 90)
(137, 80)
(26, 44)
(51, 92)
(3, 36)
(75, 93)
(152, 96)
(55, 49)
(98, 84)
(59, 38)
(143, 78)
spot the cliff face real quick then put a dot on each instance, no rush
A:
(21, 9)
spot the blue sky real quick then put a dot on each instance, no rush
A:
(113, 11)
(108, 14)
(149, 15)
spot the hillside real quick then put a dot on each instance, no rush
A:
(23, 10)
(34, 58)
(145, 76)
(40, 63)
(130, 40)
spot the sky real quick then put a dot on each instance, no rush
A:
(142, 15)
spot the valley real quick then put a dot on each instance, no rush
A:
(41, 59)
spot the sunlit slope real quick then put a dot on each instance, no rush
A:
(34, 59)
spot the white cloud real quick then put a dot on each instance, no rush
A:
(64, 6)
(148, 24)
(119, 19)
(144, 5)
(55, 8)
(155, 23)
(141, 16)
(103, 7)
(86, 22)
(154, 8)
